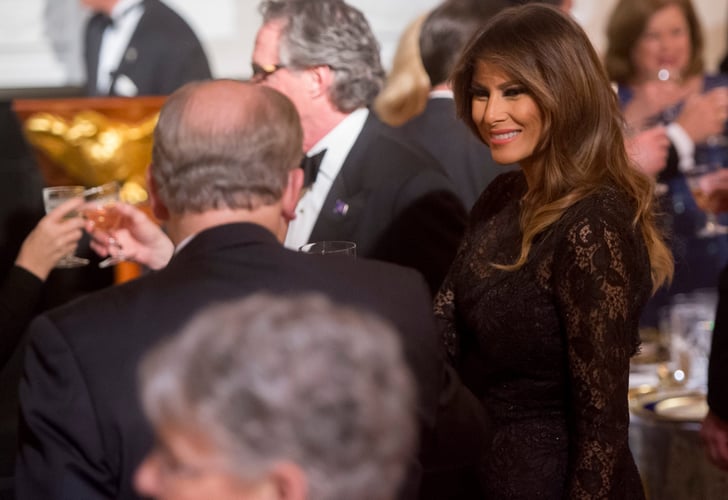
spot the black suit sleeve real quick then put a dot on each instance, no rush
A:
(18, 297)
(718, 368)
(61, 453)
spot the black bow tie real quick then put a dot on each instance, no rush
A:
(310, 166)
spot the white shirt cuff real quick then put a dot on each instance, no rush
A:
(684, 146)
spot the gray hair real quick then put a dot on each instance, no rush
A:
(297, 379)
(224, 144)
(330, 33)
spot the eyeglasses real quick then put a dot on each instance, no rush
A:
(262, 72)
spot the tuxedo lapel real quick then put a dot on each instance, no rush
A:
(346, 199)
(128, 66)
(96, 28)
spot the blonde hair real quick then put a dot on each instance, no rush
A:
(581, 148)
(407, 87)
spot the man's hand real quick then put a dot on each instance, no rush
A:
(714, 434)
(704, 115)
(141, 239)
(649, 150)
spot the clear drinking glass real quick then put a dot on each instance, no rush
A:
(709, 158)
(100, 208)
(54, 196)
(330, 248)
(691, 327)
(694, 177)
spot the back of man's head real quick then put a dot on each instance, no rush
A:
(334, 34)
(224, 145)
(267, 380)
(447, 29)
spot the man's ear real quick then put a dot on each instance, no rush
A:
(289, 481)
(291, 194)
(321, 77)
(159, 209)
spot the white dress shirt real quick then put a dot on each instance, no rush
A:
(683, 144)
(125, 16)
(337, 143)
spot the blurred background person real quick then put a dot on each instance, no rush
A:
(139, 47)
(55, 236)
(20, 296)
(714, 431)
(655, 56)
(404, 93)
(366, 185)
(278, 398)
(539, 310)
(437, 128)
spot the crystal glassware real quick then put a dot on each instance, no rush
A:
(330, 248)
(54, 196)
(709, 158)
(100, 208)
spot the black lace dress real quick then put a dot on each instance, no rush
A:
(546, 348)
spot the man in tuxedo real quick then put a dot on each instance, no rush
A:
(437, 129)
(225, 178)
(392, 199)
(140, 47)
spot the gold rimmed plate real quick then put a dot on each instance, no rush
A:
(684, 406)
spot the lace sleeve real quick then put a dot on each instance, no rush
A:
(599, 283)
(444, 308)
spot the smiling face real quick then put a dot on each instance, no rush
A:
(664, 44)
(507, 116)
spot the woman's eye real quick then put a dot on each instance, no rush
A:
(514, 91)
(479, 93)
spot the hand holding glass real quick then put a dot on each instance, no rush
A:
(54, 196)
(695, 177)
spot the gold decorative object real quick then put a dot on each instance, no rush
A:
(94, 149)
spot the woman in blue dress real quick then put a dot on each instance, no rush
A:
(655, 56)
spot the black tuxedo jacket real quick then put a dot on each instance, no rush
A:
(464, 157)
(82, 432)
(718, 368)
(395, 202)
(163, 53)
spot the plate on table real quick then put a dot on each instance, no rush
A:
(683, 406)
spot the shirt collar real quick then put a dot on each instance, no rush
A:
(339, 141)
(442, 94)
(123, 7)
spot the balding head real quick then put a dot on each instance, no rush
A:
(224, 145)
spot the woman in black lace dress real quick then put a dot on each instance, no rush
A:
(540, 308)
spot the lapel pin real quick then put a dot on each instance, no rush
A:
(341, 207)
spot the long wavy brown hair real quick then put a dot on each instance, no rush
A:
(581, 148)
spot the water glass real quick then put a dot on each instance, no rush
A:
(54, 196)
(330, 248)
